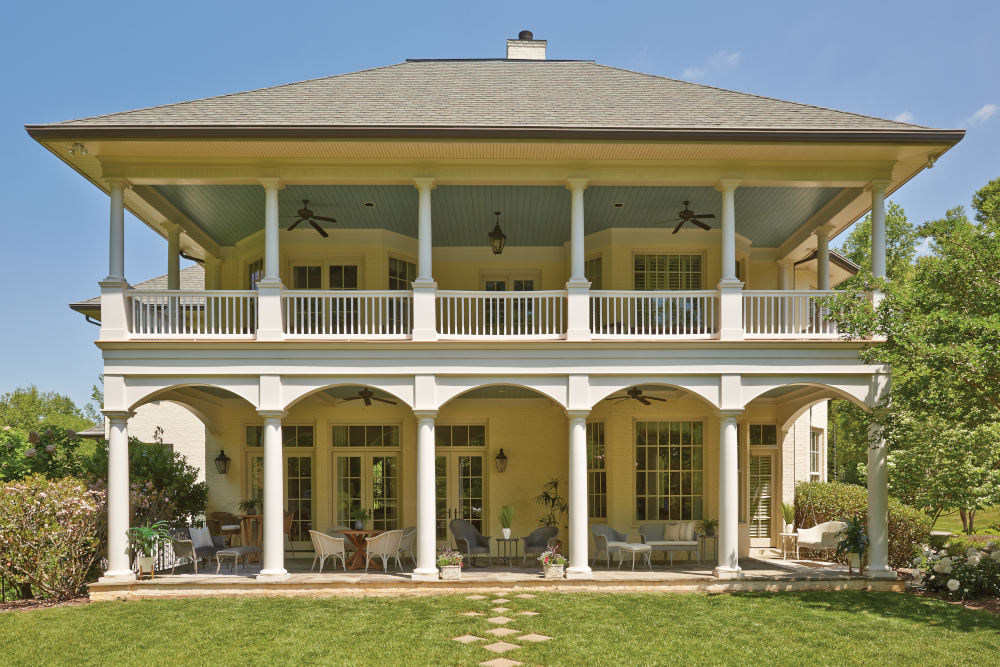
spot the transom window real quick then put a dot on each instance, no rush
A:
(763, 435)
(593, 272)
(401, 274)
(297, 436)
(668, 272)
(365, 436)
(473, 435)
(669, 476)
(255, 272)
(597, 476)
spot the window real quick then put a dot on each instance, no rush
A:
(763, 435)
(297, 436)
(401, 274)
(815, 438)
(367, 479)
(597, 476)
(760, 497)
(344, 277)
(307, 277)
(460, 436)
(256, 272)
(668, 471)
(592, 271)
(365, 436)
(299, 483)
(668, 272)
(255, 436)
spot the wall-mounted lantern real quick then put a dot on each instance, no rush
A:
(222, 462)
(501, 461)
(497, 237)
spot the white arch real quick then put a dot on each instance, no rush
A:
(555, 388)
(296, 388)
(705, 387)
(139, 390)
(858, 389)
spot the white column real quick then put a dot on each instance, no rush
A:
(116, 250)
(577, 254)
(729, 532)
(577, 500)
(269, 323)
(822, 258)
(426, 567)
(273, 566)
(213, 273)
(786, 273)
(173, 255)
(730, 288)
(424, 287)
(119, 566)
(878, 228)
(878, 506)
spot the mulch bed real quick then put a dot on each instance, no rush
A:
(991, 605)
(31, 605)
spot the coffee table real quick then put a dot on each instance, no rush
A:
(357, 537)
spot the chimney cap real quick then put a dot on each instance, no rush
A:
(525, 35)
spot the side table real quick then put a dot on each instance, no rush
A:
(703, 541)
(508, 551)
(789, 544)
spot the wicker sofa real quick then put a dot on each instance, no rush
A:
(670, 537)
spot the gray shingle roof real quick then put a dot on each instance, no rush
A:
(496, 94)
(192, 277)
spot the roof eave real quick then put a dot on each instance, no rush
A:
(57, 132)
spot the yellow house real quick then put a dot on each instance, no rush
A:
(612, 277)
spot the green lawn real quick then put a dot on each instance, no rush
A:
(809, 629)
(984, 519)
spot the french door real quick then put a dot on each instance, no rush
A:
(370, 481)
(761, 505)
(297, 482)
(460, 490)
(506, 315)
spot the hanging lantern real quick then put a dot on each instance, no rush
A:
(497, 237)
(222, 462)
(501, 461)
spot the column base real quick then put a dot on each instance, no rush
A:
(424, 575)
(731, 334)
(880, 574)
(728, 573)
(425, 334)
(270, 334)
(577, 334)
(273, 575)
(579, 573)
(117, 577)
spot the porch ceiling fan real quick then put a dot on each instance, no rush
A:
(305, 215)
(688, 215)
(368, 396)
(635, 394)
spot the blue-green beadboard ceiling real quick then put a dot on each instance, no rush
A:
(463, 214)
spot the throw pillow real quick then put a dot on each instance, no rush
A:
(201, 537)
(672, 532)
(689, 530)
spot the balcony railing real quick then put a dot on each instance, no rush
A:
(787, 314)
(644, 315)
(189, 314)
(501, 315)
(369, 315)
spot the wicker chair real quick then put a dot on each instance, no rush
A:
(607, 539)
(385, 546)
(406, 542)
(225, 524)
(327, 547)
(538, 541)
(468, 540)
(183, 547)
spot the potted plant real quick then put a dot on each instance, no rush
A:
(788, 514)
(551, 499)
(708, 526)
(506, 517)
(450, 563)
(254, 506)
(360, 516)
(553, 563)
(854, 544)
(145, 540)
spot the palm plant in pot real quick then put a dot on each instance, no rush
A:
(252, 507)
(854, 544)
(145, 540)
(360, 516)
(506, 518)
(788, 514)
(707, 526)
(552, 501)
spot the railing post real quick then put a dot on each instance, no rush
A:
(116, 320)
(731, 311)
(578, 311)
(424, 311)
(269, 311)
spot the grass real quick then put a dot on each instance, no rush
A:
(984, 519)
(808, 628)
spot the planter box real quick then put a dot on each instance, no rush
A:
(554, 571)
(145, 564)
(451, 572)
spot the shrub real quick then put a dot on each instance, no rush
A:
(52, 452)
(818, 502)
(960, 574)
(50, 533)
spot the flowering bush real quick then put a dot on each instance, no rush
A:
(52, 452)
(450, 557)
(961, 575)
(50, 533)
(552, 557)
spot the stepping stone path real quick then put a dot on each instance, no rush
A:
(473, 613)
(466, 639)
(500, 610)
(533, 638)
(499, 620)
(502, 632)
(501, 662)
(476, 597)
(526, 596)
(500, 601)
(526, 613)
(501, 646)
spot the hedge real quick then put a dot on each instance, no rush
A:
(818, 502)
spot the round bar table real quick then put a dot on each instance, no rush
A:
(357, 538)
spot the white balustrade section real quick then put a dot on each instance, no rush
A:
(645, 315)
(501, 315)
(193, 314)
(787, 314)
(348, 314)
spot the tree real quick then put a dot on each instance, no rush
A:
(27, 409)
(900, 247)
(53, 453)
(92, 411)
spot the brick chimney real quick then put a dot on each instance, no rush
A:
(525, 47)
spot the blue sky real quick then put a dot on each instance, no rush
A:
(929, 63)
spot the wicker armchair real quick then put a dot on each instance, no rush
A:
(468, 540)
(538, 541)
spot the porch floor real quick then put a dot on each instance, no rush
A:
(760, 574)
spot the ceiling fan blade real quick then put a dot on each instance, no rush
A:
(319, 229)
(654, 398)
(622, 401)
(615, 398)
(643, 400)
(707, 215)
(294, 224)
(384, 401)
(353, 398)
(678, 227)
(319, 217)
(368, 401)
(702, 225)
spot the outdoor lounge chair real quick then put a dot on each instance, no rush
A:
(671, 537)
(538, 541)
(823, 536)
(183, 547)
(327, 547)
(385, 546)
(607, 539)
(468, 540)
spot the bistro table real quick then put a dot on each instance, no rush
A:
(788, 541)
(506, 548)
(357, 537)
(251, 529)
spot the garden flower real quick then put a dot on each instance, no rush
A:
(50, 449)
(33, 437)
(971, 551)
(974, 560)
(953, 584)
(996, 556)
(30, 453)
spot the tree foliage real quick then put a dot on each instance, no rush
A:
(27, 408)
(901, 241)
(52, 453)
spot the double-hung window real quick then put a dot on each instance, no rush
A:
(815, 442)
(597, 476)
(654, 273)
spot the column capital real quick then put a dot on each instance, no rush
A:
(824, 230)
(577, 183)
(728, 414)
(578, 415)
(425, 415)
(424, 183)
(728, 184)
(171, 227)
(118, 415)
(878, 186)
(117, 181)
(212, 261)
(785, 263)
(272, 182)
(270, 415)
